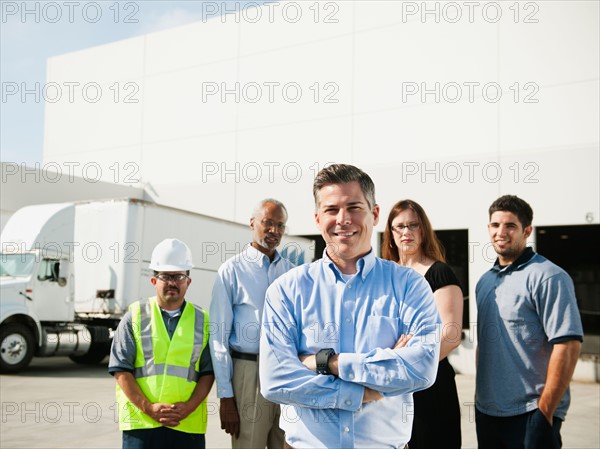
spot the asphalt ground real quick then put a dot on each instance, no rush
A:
(58, 404)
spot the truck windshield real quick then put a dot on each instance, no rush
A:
(18, 265)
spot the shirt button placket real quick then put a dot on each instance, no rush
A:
(348, 330)
(346, 430)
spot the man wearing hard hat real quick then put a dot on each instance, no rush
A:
(161, 361)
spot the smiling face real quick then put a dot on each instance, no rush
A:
(346, 223)
(508, 236)
(407, 241)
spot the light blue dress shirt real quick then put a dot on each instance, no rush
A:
(236, 308)
(311, 308)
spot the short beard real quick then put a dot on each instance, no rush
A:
(508, 252)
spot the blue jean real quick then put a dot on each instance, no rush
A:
(162, 438)
(527, 431)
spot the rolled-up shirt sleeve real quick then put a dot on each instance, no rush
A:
(122, 351)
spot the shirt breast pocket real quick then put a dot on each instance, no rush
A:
(382, 332)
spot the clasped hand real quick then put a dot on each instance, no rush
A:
(169, 415)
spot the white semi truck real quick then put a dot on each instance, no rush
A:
(69, 271)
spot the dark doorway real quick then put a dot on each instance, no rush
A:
(456, 244)
(575, 249)
(319, 244)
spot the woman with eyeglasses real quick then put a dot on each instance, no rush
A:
(409, 240)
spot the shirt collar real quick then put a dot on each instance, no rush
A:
(254, 255)
(364, 265)
(181, 309)
(523, 259)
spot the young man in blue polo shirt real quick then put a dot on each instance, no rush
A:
(529, 338)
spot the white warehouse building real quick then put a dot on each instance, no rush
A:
(451, 104)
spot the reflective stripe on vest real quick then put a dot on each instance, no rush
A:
(166, 369)
(152, 369)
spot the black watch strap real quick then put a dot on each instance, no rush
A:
(322, 359)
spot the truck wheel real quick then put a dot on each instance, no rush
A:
(16, 347)
(94, 356)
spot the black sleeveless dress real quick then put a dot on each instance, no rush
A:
(437, 410)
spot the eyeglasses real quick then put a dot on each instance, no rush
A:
(171, 277)
(411, 227)
(270, 224)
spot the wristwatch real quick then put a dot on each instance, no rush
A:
(322, 359)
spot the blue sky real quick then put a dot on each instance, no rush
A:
(31, 32)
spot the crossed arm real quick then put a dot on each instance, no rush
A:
(359, 377)
(310, 362)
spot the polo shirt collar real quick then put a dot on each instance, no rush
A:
(523, 259)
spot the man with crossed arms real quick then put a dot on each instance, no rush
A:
(332, 345)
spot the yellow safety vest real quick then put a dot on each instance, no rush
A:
(166, 370)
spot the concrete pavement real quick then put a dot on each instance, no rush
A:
(58, 404)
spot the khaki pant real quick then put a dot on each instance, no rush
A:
(259, 418)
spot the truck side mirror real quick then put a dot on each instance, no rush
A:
(63, 272)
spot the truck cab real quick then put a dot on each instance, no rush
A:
(36, 288)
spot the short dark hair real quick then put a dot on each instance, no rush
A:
(514, 204)
(344, 174)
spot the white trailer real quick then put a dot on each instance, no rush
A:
(69, 271)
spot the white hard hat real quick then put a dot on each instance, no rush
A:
(171, 255)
